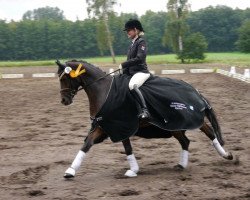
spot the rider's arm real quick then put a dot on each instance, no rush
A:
(140, 55)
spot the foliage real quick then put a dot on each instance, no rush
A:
(194, 47)
(102, 9)
(46, 13)
(219, 26)
(176, 25)
(174, 30)
(243, 42)
(50, 38)
(155, 25)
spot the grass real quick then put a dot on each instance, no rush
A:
(234, 58)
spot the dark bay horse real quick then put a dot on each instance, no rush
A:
(76, 75)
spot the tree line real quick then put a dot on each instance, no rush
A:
(48, 35)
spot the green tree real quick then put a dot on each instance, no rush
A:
(219, 25)
(4, 38)
(176, 26)
(102, 9)
(47, 13)
(154, 24)
(194, 47)
(121, 41)
(243, 42)
(44, 38)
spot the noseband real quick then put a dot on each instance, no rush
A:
(72, 92)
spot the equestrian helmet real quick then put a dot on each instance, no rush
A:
(133, 23)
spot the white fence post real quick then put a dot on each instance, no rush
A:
(232, 71)
(247, 74)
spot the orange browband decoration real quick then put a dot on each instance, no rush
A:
(77, 72)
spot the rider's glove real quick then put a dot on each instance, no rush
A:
(120, 68)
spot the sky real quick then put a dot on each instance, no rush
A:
(76, 9)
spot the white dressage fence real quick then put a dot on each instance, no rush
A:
(232, 73)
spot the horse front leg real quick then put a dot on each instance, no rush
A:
(184, 142)
(94, 137)
(134, 167)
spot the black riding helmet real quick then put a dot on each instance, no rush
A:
(133, 23)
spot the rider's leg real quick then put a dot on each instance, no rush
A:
(135, 82)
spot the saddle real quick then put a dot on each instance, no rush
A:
(173, 105)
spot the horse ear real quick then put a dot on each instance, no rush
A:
(60, 65)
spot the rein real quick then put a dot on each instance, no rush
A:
(98, 80)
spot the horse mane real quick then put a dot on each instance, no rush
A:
(88, 65)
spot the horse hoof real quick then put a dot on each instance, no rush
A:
(179, 167)
(230, 156)
(69, 173)
(130, 173)
(67, 176)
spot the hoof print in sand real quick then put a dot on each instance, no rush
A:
(128, 193)
(36, 193)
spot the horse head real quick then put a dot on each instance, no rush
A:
(70, 79)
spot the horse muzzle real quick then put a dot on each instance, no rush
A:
(66, 101)
(67, 96)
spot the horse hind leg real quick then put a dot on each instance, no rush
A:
(210, 134)
(184, 142)
(134, 167)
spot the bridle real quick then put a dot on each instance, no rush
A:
(73, 92)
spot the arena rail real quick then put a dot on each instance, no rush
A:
(232, 73)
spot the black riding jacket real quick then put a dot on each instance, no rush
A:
(136, 58)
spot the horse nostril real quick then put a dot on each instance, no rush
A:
(63, 100)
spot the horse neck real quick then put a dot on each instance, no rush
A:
(97, 94)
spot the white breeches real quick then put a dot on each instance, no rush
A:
(138, 79)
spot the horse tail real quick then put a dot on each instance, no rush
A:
(210, 114)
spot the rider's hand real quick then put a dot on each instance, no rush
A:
(120, 68)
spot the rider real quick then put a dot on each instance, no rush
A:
(135, 65)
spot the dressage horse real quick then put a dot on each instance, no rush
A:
(76, 75)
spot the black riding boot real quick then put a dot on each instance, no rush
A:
(144, 114)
